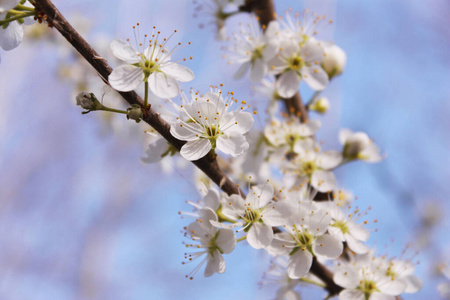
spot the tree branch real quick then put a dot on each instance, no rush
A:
(48, 12)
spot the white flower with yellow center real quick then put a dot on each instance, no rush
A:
(256, 214)
(208, 122)
(313, 166)
(253, 50)
(295, 63)
(209, 241)
(152, 64)
(305, 238)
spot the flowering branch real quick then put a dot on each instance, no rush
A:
(265, 11)
(48, 12)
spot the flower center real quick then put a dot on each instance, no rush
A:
(296, 62)
(257, 53)
(308, 167)
(341, 225)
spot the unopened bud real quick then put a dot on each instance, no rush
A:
(334, 61)
(322, 105)
(84, 99)
(135, 113)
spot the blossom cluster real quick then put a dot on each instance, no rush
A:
(291, 206)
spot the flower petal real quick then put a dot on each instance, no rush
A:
(237, 123)
(242, 70)
(6, 5)
(11, 36)
(288, 84)
(329, 160)
(124, 51)
(226, 241)
(233, 144)
(215, 264)
(258, 70)
(351, 295)
(346, 277)
(182, 132)
(179, 72)
(126, 78)
(327, 246)
(299, 264)
(194, 150)
(163, 86)
(260, 235)
(323, 181)
(315, 77)
(355, 245)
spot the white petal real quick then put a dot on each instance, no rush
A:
(355, 245)
(327, 246)
(329, 160)
(346, 277)
(11, 37)
(216, 264)
(226, 241)
(288, 84)
(126, 78)
(277, 214)
(237, 123)
(277, 246)
(323, 181)
(315, 77)
(344, 134)
(358, 232)
(380, 296)
(163, 86)
(242, 70)
(413, 284)
(179, 72)
(124, 51)
(391, 287)
(194, 150)
(351, 295)
(260, 235)
(155, 151)
(299, 264)
(212, 199)
(260, 195)
(182, 132)
(7, 5)
(258, 70)
(226, 225)
(233, 144)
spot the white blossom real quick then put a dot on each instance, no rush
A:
(297, 62)
(313, 166)
(152, 64)
(256, 214)
(334, 60)
(368, 277)
(304, 238)
(6, 5)
(357, 145)
(210, 242)
(253, 50)
(208, 122)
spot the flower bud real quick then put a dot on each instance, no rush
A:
(334, 61)
(135, 113)
(322, 105)
(85, 100)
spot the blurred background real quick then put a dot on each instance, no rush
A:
(81, 217)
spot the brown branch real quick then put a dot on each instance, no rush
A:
(265, 11)
(326, 276)
(48, 12)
